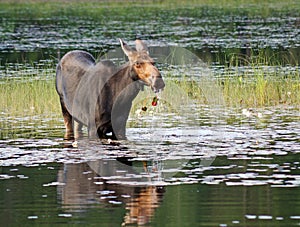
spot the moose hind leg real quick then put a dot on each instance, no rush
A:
(68, 121)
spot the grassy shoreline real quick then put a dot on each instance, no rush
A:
(28, 97)
(161, 3)
(98, 9)
(36, 96)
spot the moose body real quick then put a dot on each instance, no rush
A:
(99, 95)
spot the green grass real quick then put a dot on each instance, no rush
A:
(28, 97)
(253, 91)
(261, 90)
(110, 8)
(32, 96)
(257, 87)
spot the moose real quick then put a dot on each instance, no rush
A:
(99, 95)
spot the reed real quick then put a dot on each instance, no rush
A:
(261, 90)
(267, 81)
(28, 97)
(32, 96)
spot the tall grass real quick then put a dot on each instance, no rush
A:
(31, 96)
(257, 86)
(28, 97)
(261, 90)
(32, 92)
(28, 101)
(25, 103)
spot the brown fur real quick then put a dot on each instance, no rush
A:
(100, 95)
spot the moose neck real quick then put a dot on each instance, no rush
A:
(124, 84)
(123, 91)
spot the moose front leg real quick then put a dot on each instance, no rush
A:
(119, 118)
(119, 128)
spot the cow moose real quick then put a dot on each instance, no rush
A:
(99, 95)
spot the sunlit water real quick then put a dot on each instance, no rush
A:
(206, 167)
(234, 170)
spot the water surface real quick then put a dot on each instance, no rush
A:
(208, 173)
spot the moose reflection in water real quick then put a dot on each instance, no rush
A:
(82, 185)
(100, 95)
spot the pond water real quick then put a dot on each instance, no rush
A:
(200, 165)
(214, 173)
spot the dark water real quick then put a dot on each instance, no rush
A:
(204, 166)
(213, 34)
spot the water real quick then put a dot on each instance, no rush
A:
(219, 167)
(213, 34)
(241, 173)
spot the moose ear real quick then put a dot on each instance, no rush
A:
(141, 46)
(127, 50)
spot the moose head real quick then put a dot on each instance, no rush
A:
(143, 65)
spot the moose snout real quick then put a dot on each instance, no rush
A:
(158, 83)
